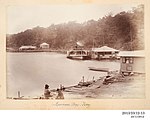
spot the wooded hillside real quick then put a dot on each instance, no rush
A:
(123, 31)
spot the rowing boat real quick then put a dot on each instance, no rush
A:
(99, 69)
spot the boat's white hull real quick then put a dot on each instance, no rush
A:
(78, 57)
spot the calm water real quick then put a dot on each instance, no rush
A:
(29, 72)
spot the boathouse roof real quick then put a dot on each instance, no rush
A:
(104, 49)
(44, 43)
(137, 53)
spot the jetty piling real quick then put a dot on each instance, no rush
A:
(18, 94)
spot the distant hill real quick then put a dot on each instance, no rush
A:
(123, 31)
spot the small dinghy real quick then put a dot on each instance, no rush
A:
(99, 69)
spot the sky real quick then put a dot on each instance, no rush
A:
(21, 18)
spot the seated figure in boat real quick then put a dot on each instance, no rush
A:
(47, 92)
(60, 94)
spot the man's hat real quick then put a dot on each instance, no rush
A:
(46, 86)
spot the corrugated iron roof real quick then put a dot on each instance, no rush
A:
(104, 49)
(27, 47)
(137, 53)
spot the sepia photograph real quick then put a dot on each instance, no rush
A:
(87, 51)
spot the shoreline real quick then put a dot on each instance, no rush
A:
(98, 90)
(30, 51)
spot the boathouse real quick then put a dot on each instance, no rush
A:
(44, 46)
(104, 52)
(132, 62)
(28, 47)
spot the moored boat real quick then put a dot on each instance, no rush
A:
(79, 54)
(85, 83)
(99, 69)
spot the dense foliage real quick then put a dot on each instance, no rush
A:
(123, 31)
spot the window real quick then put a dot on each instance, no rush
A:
(129, 68)
(123, 60)
(127, 60)
(130, 60)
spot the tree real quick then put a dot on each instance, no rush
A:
(124, 31)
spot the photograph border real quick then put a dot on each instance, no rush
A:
(84, 104)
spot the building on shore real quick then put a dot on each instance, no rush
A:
(28, 47)
(44, 46)
(104, 52)
(132, 62)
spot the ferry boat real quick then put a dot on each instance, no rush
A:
(79, 54)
